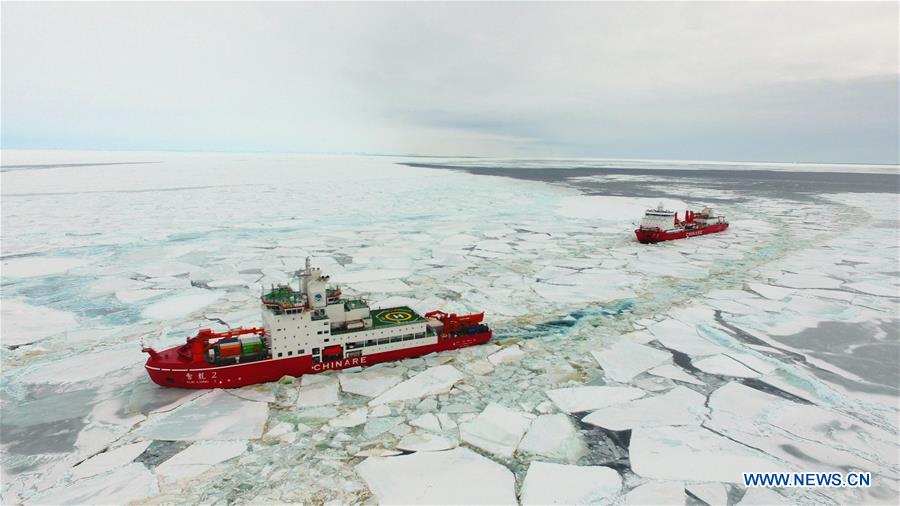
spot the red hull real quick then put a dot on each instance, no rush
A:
(167, 370)
(647, 236)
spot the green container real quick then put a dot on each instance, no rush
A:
(251, 346)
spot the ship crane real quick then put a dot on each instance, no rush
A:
(196, 347)
(453, 322)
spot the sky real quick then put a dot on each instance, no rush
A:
(761, 81)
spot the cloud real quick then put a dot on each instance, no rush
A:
(587, 79)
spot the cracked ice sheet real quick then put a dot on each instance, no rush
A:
(804, 435)
(457, 476)
(216, 415)
(547, 483)
(432, 381)
(679, 406)
(496, 430)
(588, 398)
(199, 458)
(372, 381)
(24, 323)
(128, 484)
(625, 360)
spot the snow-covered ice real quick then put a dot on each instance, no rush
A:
(216, 415)
(199, 458)
(496, 430)
(436, 380)
(624, 360)
(371, 382)
(548, 483)
(458, 476)
(679, 406)
(576, 399)
(554, 437)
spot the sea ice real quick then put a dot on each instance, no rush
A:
(679, 336)
(35, 266)
(199, 458)
(693, 453)
(216, 415)
(676, 373)
(350, 419)
(724, 365)
(554, 437)
(109, 460)
(714, 494)
(457, 476)
(508, 354)
(588, 398)
(679, 406)
(23, 323)
(436, 380)
(371, 382)
(496, 430)
(547, 483)
(318, 393)
(756, 496)
(182, 304)
(656, 493)
(808, 281)
(625, 360)
(424, 442)
(127, 484)
(770, 291)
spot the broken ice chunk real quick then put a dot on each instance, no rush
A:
(216, 415)
(457, 476)
(351, 419)
(714, 494)
(507, 355)
(679, 406)
(676, 373)
(109, 460)
(371, 382)
(682, 337)
(318, 392)
(180, 305)
(547, 483)
(724, 365)
(554, 437)
(625, 360)
(428, 422)
(125, 485)
(657, 493)
(693, 453)
(199, 458)
(424, 442)
(436, 380)
(576, 399)
(24, 323)
(497, 430)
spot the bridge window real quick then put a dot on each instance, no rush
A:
(290, 353)
(371, 342)
(384, 340)
(279, 354)
(396, 339)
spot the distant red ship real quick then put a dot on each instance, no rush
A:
(663, 225)
(306, 331)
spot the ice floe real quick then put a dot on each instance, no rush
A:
(682, 337)
(424, 442)
(216, 415)
(371, 382)
(436, 380)
(508, 354)
(127, 484)
(679, 406)
(713, 494)
(624, 360)
(109, 460)
(317, 390)
(724, 365)
(656, 493)
(588, 398)
(496, 430)
(199, 458)
(548, 483)
(182, 304)
(693, 453)
(554, 437)
(676, 373)
(34, 266)
(24, 323)
(457, 476)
